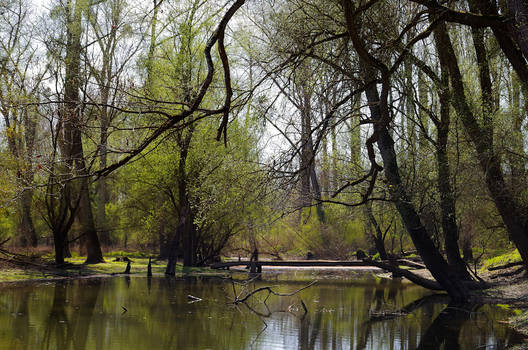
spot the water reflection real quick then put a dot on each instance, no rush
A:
(358, 313)
(71, 315)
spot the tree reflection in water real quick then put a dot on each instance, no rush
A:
(363, 313)
(64, 329)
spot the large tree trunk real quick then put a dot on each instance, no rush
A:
(447, 195)
(512, 212)
(102, 188)
(306, 154)
(422, 241)
(307, 170)
(105, 78)
(88, 231)
(26, 228)
(186, 230)
(72, 130)
(380, 116)
(517, 156)
(59, 238)
(26, 201)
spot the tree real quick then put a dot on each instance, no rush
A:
(510, 209)
(111, 24)
(71, 120)
(19, 88)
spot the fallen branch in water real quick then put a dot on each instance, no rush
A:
(244, 285)
(270, 292)
(193, 299)
(385, 315)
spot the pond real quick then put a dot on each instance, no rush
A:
(345, 310)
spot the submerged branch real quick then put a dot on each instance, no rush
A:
(409, 308)
(270, 291)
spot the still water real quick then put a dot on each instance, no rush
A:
(345, 311)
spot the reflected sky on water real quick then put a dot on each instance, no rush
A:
(345, 311)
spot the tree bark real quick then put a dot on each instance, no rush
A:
(419, 235)
(102, 188)
(512, 212)
(380, 116)
(517, 155)
(186, 230)
(306, 154)
(447, 195)
(72, 130)
(504, 35)
(26, 227)
(307, 170)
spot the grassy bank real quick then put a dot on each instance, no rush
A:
(44, 268)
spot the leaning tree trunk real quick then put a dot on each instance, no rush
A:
(432, 258)
(512, 212)
(506, 35)
(380, 116)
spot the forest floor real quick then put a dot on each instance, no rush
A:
(511, 288)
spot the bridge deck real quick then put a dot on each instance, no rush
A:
(299, 263)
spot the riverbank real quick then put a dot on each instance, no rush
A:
(44, 269)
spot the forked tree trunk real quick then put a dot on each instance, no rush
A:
(447, 195)
(380, 116)
(513, 212)
(432, 258)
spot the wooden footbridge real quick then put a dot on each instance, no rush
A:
(257, 265)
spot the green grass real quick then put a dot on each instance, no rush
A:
(506, 258)
(130, 254)
(13, 275)
(139, 266)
